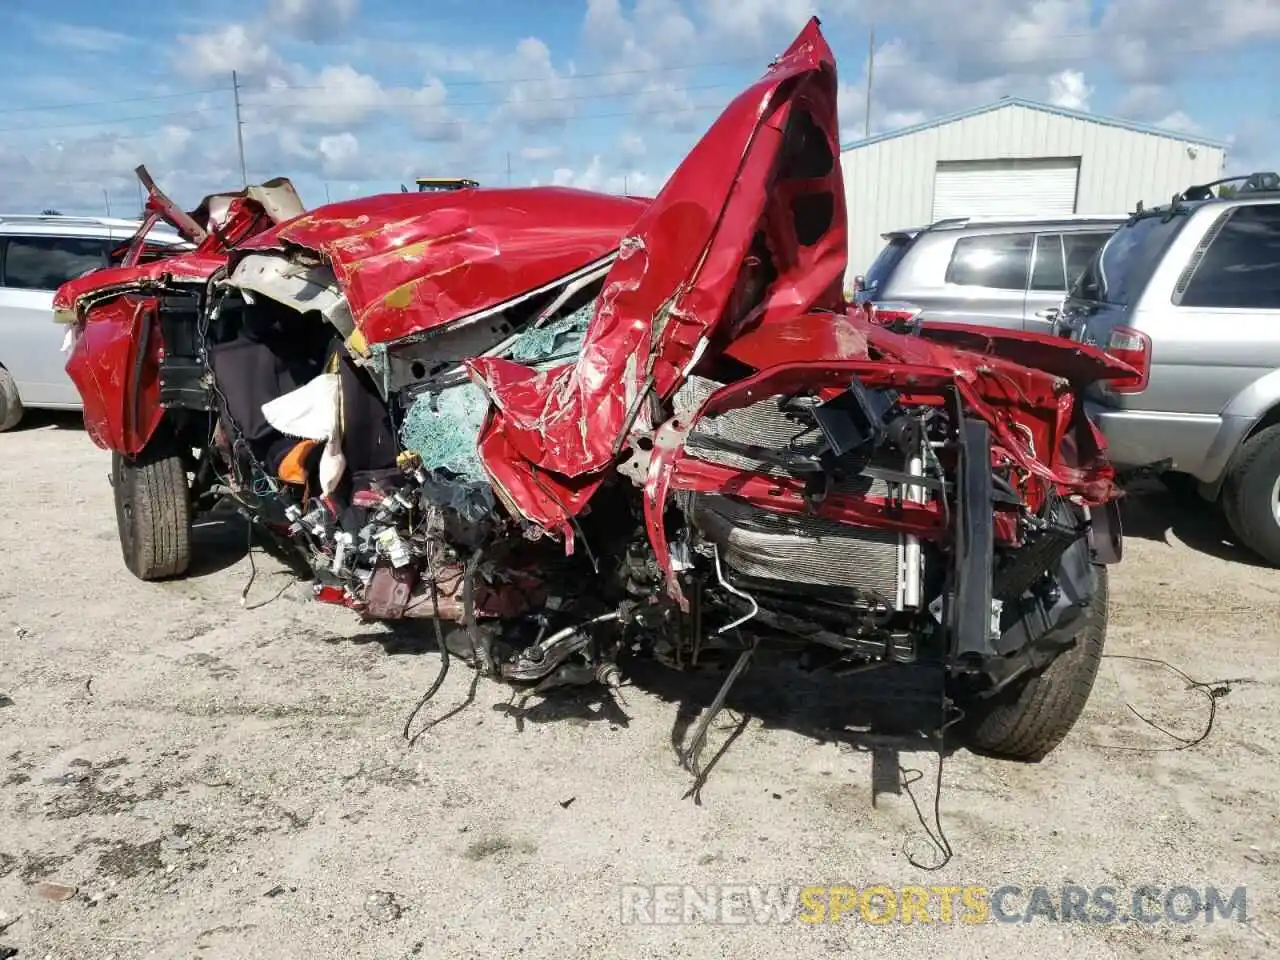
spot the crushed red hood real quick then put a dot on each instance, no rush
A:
(408, 262)
(751, 226)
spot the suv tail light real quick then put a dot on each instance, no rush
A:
(1134, 348)
(896, 315)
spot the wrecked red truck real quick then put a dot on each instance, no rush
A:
(570, 429)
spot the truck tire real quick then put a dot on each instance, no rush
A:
(1251, 494)
(10, 402)
(1028, 722)
(153, 513)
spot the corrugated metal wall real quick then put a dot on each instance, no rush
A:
(889, 183)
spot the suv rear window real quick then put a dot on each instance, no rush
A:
(1241, 267)
(885, 263)
(1122, 268)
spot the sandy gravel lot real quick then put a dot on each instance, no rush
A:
(219, 780)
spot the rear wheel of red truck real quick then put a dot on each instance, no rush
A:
(153, 513)
(1029, 721)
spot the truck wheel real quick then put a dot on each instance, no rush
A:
(1251, 494)
(1028, 722)
(10, 402)
(153, 513)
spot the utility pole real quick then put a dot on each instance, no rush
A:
(625, 191)
(871, 68)
(106, 198)
(326, 192)
(508, 169)
(235, 92)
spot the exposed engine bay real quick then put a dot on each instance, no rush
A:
(370, 472)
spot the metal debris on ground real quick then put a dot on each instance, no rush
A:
(175, 841)
(57, 892)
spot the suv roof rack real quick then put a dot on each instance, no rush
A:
(59, 218)
(1253, 183)
(1013, 219)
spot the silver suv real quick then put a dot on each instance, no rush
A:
(1189, 294)
(1008, 272)
(39, 253)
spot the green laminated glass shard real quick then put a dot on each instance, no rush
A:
(441, 426)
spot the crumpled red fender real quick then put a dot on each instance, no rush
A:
(675, 290)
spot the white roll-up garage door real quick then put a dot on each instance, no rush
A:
(1002, 188)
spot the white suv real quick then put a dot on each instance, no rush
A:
(38, 253)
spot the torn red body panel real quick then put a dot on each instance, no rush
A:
(410, 262)
(750, 227)
(118, 383)
(115, 357)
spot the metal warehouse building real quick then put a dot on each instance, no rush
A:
(1013, 157)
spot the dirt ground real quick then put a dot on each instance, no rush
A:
(215, 779)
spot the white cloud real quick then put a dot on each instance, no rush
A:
(1070, 90)
(592, 178)
(657, 36)
(597, 175)
(336, 96)
(897, 119)
(664, 104)
(85, 39)
(437, 59)
(631, 145)
(341, 155)
(759, 23)
(540, 153)
(1150, 40)
(340, 96)
(311, 19)
(1145, 100)
(1178, 122)
(543, 98)
(216, 54)
(605, 26)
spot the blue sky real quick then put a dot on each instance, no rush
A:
(350, 97)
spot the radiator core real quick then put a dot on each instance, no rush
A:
(792, 548)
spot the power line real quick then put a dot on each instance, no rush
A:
(445, 104)
(106, 103)
(113, 120)
(570, 77)
(691, 108)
